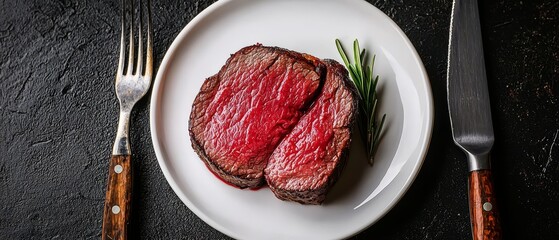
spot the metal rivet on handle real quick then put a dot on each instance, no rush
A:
(115, 209)
(487, 206)
(118, 169)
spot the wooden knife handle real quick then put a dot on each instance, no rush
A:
(483, 207)
(117, 201)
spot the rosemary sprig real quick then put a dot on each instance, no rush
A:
(362, 75)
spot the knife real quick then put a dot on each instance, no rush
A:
(470, 115)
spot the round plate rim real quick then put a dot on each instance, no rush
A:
(426, 139)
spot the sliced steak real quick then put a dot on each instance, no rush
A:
(310, 158)
(242, 113)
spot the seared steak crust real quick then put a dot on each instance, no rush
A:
(275, 116)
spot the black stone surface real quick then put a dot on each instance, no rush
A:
(59, 114)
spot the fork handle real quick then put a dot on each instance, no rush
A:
(483, 209)
(118, 198)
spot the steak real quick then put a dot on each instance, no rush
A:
(242, 113)
(310, 159)
(275, 116)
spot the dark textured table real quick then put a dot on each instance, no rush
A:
(59, 115)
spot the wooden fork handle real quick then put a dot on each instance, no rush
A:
(483, 208)
(117, 201)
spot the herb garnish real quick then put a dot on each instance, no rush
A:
(362, 75)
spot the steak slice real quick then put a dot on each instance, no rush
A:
(242, 113)
(311, 157)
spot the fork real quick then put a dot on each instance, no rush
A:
(130, 87)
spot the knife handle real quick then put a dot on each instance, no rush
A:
(117, 201)
(483, 208)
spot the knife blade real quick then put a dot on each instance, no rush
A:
(470, 114)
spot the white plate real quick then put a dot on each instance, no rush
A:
(363, 194)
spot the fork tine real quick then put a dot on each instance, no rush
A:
(131, 50)
(140, 60)
(121, 58)
(149, 57)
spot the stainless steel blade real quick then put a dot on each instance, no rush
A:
(468, 97)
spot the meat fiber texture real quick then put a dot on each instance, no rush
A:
(275, 116)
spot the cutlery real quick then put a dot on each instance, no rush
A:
(470, 115)
(131, 85)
